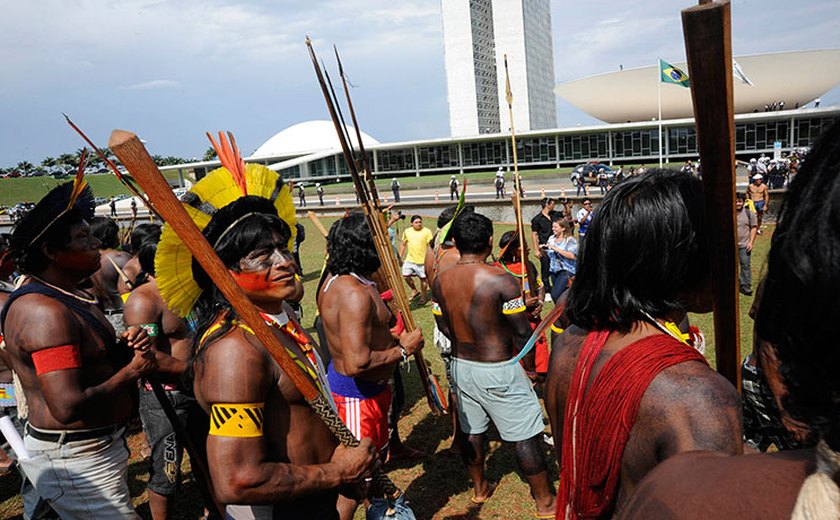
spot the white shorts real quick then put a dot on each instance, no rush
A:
(412, 269)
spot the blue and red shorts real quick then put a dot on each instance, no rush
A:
(362, 406)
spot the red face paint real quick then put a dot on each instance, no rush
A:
(254, 282)
(85, 260)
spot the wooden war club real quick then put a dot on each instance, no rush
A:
(708, 47)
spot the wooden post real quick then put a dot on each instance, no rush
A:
(708, 46)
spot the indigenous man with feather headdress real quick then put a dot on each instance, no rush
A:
(269, 454)
(78, 380)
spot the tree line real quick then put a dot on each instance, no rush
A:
(68, 164)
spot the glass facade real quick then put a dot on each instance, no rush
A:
(537, 150)
(396, 160)
(628, 145)
(761, 135)
(583, 147)
(436, 157)
(484, 63)
(323, 167)
(636, 143)
(485, 153)
(682, 140)
(806, 131)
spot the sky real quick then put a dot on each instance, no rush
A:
(169, 70)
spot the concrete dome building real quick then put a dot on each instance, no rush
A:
(307, 138)
(796, 78)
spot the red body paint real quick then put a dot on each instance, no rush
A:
(253, 282)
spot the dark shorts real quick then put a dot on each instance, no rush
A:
(167, 450)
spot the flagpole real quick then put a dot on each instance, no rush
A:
(659, 98)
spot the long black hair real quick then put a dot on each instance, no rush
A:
(350, 247)
(800, 309)
(645, 249)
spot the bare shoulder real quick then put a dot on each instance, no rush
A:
(143, 304)
(350, 292)
(233, 369)
(37, 321)
(702, 409)
(706, 484)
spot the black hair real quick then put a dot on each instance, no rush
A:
(29, 259)
(51, 213)
(146, 253)
(511, 251)
(799, 309)
(350, 247)
(107, 231)
(142, 233)
(447, 214)
(259, 226)
(545, 201)
(415, 217)
(644, 250)
(472, 233)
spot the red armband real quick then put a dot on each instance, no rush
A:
(399, 327)
(387, 295)
(62, 357)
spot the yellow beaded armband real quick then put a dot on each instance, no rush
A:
(436, 309)
(555, 329)
(237, 420)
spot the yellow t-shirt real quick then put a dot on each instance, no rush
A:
(417, 242)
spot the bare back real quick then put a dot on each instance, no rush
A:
(471, 298)
(686, 407)
(357, 322)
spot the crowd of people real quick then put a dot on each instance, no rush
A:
(97, 333)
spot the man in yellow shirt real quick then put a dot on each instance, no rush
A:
(416, 239)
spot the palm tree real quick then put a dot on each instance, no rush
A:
(66, 160)
(25, 167)
(49, 163)
(210, 154)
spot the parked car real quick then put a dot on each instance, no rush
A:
(588, 173)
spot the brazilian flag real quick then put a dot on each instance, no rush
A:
(670, 74)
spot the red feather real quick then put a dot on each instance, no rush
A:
(231, 159)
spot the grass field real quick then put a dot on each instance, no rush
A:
(439, 486)
(31, 189)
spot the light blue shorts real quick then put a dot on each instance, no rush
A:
(500, 392)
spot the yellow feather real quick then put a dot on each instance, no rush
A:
(173, 261)
(173, 267)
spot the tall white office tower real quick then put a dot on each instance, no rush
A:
(477, 34)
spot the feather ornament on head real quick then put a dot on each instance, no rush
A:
(60, 201)
(219, 188)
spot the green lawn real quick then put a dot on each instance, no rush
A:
(439, 486)
(31, 189)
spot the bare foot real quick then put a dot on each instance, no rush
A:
(489, 489)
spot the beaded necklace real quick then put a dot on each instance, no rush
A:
(88, 299)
